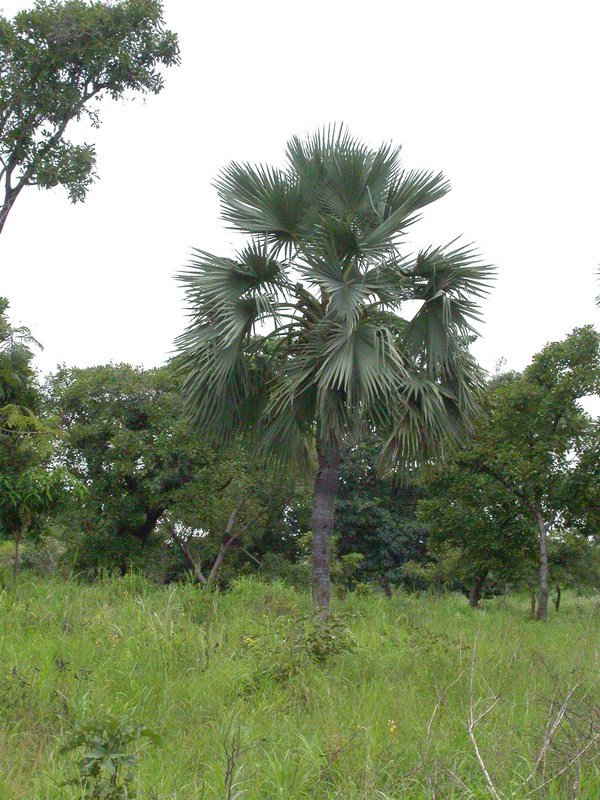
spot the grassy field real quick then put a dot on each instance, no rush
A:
(251, 700)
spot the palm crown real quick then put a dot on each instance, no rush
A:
(301, 333)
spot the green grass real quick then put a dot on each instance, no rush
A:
(233, 675)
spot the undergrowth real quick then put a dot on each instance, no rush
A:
(405, 698)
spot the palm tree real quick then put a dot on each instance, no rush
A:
(298, 339)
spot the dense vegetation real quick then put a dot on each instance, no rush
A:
(160, 529)
(251, 699)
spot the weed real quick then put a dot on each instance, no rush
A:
(106, 769)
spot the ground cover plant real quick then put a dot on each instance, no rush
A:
(407, 696)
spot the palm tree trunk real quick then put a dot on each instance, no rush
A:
(321, 521)
(544, 588)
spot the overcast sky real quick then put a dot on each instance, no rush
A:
(500, 96)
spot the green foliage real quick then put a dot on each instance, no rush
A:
(106, 769)
(56, 61)
(323, 267)
(574, 561)
(127, 441)
(375, 517)
(441, 570)
(19, 394)
(530, 467)
(327, 637)
(291, 645)
(178, 656)
(34, 490)
(154, 487)
(535, 423)
(473, 516)
(31, 485)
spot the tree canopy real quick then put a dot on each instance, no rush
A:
(56, 61)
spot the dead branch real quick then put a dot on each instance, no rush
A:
(551, 731)
(567, 766)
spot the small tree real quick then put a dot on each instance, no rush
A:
(29, 489)
(126, 439)
(535, 437)
(55, 61)
(474, 514)
(27, 498)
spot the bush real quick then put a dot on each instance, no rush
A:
(106, 769)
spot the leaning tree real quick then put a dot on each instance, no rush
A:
(57, 60)
(299, 341)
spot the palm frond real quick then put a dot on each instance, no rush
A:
(264, 200)
(301, 331)
(446, 281)
(410, 192)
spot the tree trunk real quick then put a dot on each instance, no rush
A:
(143, 531)
(223, 548)
(532, 601)
(321, 521)
(557, 599)
(9, 198)
(476, 588)
(226, 541)
(187, 554)
(544, 589)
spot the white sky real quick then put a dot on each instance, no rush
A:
(500, 96)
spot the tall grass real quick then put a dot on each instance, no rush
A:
(248, 704)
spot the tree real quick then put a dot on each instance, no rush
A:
(149, 476)
(535, 435)
(56, 60)
(475, 515)
(298, 340)
(128, 442)
(238, 510)
(27, 497)
(19, 393)
(573, 560)
(30, 488)
(375, 517)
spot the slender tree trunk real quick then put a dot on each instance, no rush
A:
(188, 555)
(226, 541)
(326, 481)
(544, 589)
(476, 589)
(223, 548)
(10, 195)
(557, 599)
(532, 600)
